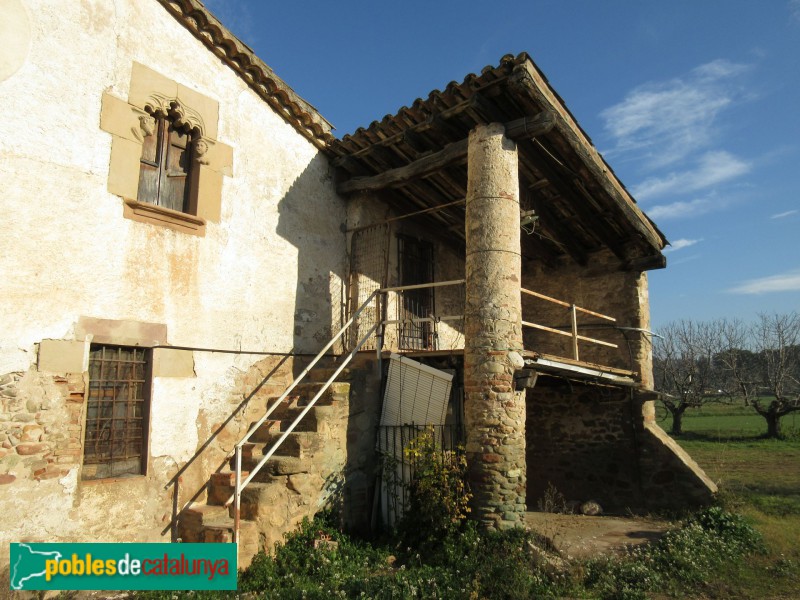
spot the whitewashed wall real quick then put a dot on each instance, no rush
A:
(267, 277)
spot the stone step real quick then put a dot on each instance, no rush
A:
(314, 418)
(220, 531)
(195, 517)
(337, 393)
(278, 466)
(265, 431)
(220, 486)
(299, 444)
(322, 374)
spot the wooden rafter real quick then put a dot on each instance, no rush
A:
(523, 128)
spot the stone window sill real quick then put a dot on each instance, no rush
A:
(118, 479)
(145, 212)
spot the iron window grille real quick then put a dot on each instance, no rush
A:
(117, 412)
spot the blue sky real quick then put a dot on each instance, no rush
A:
(695, 104)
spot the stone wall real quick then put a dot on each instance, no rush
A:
(592, 442)
(580, 439)
(601, 287)
(41, 422)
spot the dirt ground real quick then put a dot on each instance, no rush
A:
(580, 536)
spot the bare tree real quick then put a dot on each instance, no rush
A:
(738, 363)
(777, 339)
(762, 362)
(684, 368)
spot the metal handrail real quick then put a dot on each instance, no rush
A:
(239, 484)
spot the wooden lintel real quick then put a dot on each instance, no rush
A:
(524, 128)
(646, 263)
(530, 127)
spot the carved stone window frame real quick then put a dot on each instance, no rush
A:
(127, 122)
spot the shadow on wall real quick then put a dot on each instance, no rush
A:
(311, 218)
(216, 449)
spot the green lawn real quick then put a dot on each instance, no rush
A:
(759, 478)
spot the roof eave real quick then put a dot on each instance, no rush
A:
(258, 76)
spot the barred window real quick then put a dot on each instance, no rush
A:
(117, 412)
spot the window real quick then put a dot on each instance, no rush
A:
(117, 412)
(166, 163)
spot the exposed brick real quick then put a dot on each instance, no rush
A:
(67, 452)
(6, 478)
(26, 449)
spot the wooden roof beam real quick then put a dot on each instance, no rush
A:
(530, 82)
(524, 128)
(580, 202)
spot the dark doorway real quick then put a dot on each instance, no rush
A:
(415, 258)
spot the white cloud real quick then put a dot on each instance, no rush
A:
(681, 244)
(794, 9)
(664, 122)
(788, 213)
(680, 210)
(785, 282)
(713, 168)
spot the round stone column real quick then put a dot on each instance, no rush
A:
(494, 413)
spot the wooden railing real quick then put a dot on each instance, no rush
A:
(574, 310)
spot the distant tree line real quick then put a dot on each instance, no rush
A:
(758, 364)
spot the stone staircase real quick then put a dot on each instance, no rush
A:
(294, 483)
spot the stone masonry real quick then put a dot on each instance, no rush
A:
(494, 412)
(40, 425)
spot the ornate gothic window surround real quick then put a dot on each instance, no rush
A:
(166, 162)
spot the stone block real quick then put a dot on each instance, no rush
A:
(123, 170)
(27, 449)
(146, 83)
(207, 108)
(173, 363)
(122, 332)
(119, 118)
(209, 189)
(63, 356)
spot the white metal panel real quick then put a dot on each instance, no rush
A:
(415, 393)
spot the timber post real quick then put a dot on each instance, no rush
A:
(494, 412)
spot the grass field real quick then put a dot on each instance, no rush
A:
(759, 478)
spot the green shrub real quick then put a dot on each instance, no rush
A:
(438, 496)
(708, 540)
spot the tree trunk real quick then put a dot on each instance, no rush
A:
(773, 424)
(677, 422)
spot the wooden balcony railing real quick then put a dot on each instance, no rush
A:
(574, 310)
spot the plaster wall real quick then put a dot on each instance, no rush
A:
(266, 277)
(448, 260)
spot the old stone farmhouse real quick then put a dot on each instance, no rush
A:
(182, 234)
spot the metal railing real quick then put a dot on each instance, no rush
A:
(398, 467)
(240, 484)
(573, 333)
(378, 329)
(422, 326)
